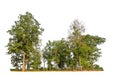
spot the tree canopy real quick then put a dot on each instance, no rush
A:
(79, 51)
(24, 42)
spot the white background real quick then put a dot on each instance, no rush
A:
(101, 17)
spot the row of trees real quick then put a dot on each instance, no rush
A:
(76, 52)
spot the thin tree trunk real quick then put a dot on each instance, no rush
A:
(23, 66)
(80, 64)
(28, 65)
(92, 67)
(44, 64)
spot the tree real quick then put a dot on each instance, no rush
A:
(76, 44)
(83, 47)
(56, 53)
(47, 54)
(61, 53)
(94, 52)
(24, 39)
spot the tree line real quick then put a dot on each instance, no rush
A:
(77, 52)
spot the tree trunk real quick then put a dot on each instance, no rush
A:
(23, 66)
(92, 67)
(80, 63)
(44, 64)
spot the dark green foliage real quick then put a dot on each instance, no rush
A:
(97, 67)
(56, 52)
(78, 52)
(16, 60)
(25, 40)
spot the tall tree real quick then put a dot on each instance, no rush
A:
(24, 38)
(83, 47)
(75, 41)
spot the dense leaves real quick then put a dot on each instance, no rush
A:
(56, 53)
(78, 51)
(24, 41)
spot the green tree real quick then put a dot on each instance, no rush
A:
(76, 43)
(56, 53)
(24, 38)
(94, 52)
(47, 54)
(83, 47)
(61, 53)
(34, 61)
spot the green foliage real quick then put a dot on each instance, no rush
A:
(16, 60)
(78, 52)
(97, 67)
(56, 52)
(34, 61)
(25, 39)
